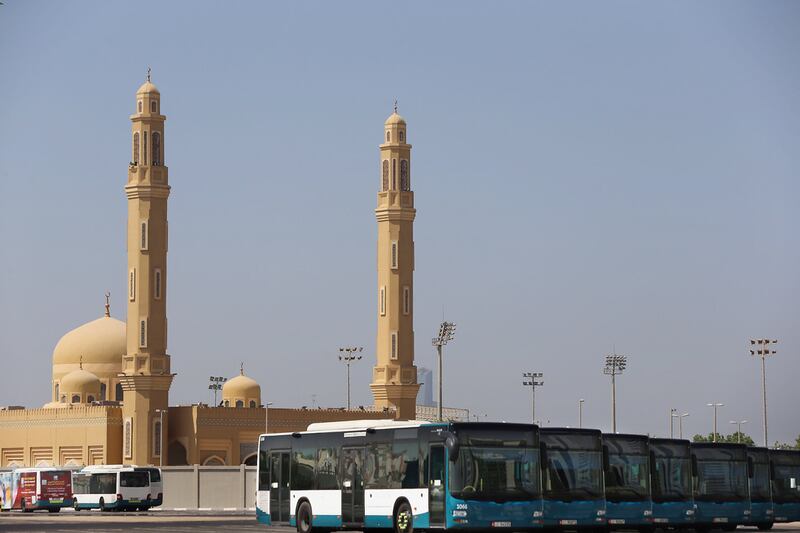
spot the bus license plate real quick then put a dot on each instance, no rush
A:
(616, 521)
(501, 524)
(60, 500)
(720, 520)
(568, 522)
(134, 500)
(661, 520)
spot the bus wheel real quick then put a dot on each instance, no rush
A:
(765, 527)
(54, 510)
(304, 517)
(403, 519)
(102, 504)
(25, 507)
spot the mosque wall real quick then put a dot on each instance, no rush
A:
(76, 435)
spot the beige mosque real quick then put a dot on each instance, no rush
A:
(111, 378)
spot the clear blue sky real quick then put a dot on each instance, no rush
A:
(587, 176)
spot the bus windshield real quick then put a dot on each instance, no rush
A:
(786, 485)
(105, 483)
(628, 477)
(672, 479)
(721, 480)
(573, 475)
(80, 484)
(759, 483)
(496, 465)
(134, 479)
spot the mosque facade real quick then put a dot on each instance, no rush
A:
(109, 399)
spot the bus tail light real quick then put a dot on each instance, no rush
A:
(160, 496)
(119, 497)
(148, 496)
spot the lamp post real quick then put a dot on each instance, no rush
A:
(615, 364)
(680, 424)
(580, 412)
(533, 380)
(266, 417)
(348, 355)
(160, 413)
(672, 414)
(763, 351)
(216, 383)
(447, 330)
(715, 405)
(739, 429)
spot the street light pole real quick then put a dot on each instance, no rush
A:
(348, 358)
(672, 414)
(739, 430)
(680, 424)
(715, 405)
(266, 416)
(580, 412)
(763, 351)
(447, 331)
(533, 380)
(615, 364)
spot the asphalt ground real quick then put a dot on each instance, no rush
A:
(183, 521)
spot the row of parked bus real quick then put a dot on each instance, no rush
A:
(419, 475)
(106, 487)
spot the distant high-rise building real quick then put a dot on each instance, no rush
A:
(425, 378)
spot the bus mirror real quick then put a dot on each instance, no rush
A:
(451, 444)
(750, 468)
(694, 465)
(543, 455)
(606, 460)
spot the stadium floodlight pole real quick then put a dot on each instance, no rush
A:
(672, 414)
(447, 331)
(715, 405)
(680, 424)
(580, 412)
(161, 436)
(615, 364)
(348, 355)
(763, 351)
(215, 384)
(739, 430)
(533, 380)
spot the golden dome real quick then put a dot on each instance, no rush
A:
(80, 382)
(241, 388)
(394, 118)
(100, 341)
(148, 87)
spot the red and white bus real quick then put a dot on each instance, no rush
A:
(30, 489)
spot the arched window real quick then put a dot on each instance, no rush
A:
(56, 392)
(76, 398)
(136, 148)
(214, 460)
(144, 148)
(239, 403)
(227, 403)
(404, 185)
(252, 403)
(156, 148)
(140, 106)
(132, 285)
(143, 334)
(118, 395)
(176, 454)
(385, 175)
(102, 391)
(157, 284)
(388, 136)
(401, 136)
(90, 399)
(250, 460)
(394, 174)
(63, 399)
(143, 237)
(153, 106)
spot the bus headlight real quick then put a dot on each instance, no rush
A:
(601, 512)
(648, 512)
(537, 514)
(689, 512)
(746, 512)
(769, 511)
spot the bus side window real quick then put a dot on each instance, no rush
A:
(326, 469)
(263, 470)
(436, 465)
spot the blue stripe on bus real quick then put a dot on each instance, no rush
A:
(263, 517)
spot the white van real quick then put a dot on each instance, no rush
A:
(111, 488)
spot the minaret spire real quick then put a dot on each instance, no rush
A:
(108, 304)
(148, 74)
(395, 105)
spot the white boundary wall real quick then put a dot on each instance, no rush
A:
(217, 488)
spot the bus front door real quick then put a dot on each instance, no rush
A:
(436, 485)
(353, 485)
(279, 487)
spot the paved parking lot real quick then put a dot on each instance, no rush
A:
(188, 521)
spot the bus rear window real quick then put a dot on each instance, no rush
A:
(155, 474)
(134, 479)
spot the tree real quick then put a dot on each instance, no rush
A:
(733, 438)
(797, 443)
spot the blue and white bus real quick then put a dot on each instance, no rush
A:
(785, 484)
(761, 511)
(401, 476)
(572, 482)
(720, 491)
(671, 483)
(627, 482)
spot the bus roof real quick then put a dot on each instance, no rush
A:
(365, 424)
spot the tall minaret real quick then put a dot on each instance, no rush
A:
(146, 375)
(394, 378)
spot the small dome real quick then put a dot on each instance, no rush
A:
(394, 118)
(80, 382)
(241, 388)
(148, 87)
(99, 341)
